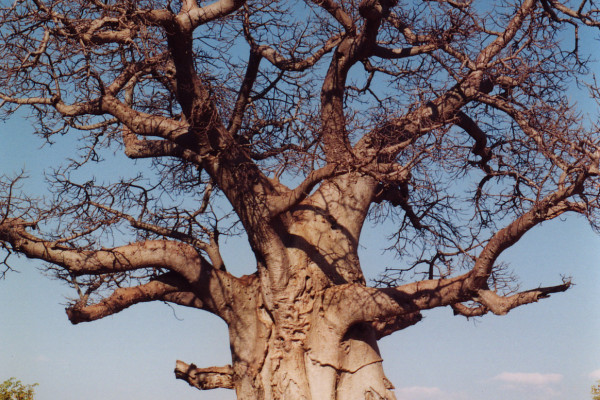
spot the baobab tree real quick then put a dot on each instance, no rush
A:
(296, 123)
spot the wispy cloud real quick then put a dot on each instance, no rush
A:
(595, 374)
(531, 385)
(532, 378)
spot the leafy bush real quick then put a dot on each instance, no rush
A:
(12, 389)
(596, 391)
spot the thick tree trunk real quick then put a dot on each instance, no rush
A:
(288, 346)
(304, 356)
(290, 372)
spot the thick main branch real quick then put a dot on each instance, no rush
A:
(168, 287)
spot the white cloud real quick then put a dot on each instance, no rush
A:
(595, 374)
(521, 378)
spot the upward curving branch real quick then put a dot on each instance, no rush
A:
(192, 280)
(376, 304)
(178, 257)
(395, 134)
(167, 287)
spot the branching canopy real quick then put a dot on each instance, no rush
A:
(295, 122)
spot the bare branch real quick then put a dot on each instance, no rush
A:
(281, 203)
(388, 326)
(480, 148)
(384, 52)
(193, 16)
(178, 257)
(205, 378)
(501, 305)
(238, 112)
(382, 304)
(426, 117)
(588, 18)
(550, 207)
(286, 64)
(509, 33)
(166, 287)
(156, 229)
(143, 148)
(334, 8)
(142, 123)
(466, 311)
